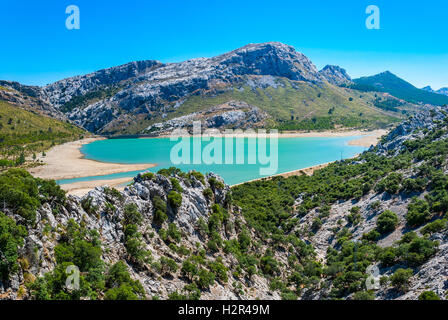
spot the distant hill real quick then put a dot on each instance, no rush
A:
(443, 91)
(390, 83)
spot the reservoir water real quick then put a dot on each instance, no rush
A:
(293, 154)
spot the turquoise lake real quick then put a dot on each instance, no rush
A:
(293, 154)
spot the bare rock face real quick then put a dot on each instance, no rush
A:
(102, 209)
(336, 75)
(29, 98)
(410, 129)
(233, 114)
(63, 91)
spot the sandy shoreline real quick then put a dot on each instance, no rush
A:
(368, 137)
(66, 161)
(308, 171)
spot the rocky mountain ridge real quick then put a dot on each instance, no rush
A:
(29, 98)
(336, 75)
(272, 76)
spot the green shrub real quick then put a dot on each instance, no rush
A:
(428, 295)
(364, 295)
(219, 270)
(132, 215)
(171, 171)
(79, 247)
(435, 226)
(388, 256)
(418, 212)
(208, 193)
(122, 287)
(11, 238)
(414, 250)
(174, 232)
(400, 278)
(355, 216)
(160, 217)
(147, 176)
(20, 192)
(168, 265)
(215, 183)
(268, 265)
(189, 269)
(205, 279)
(88, 207)
(176, 185)
(387, 222)
(113, 193)
(175, 199)
(317, 223)
(197, 175)
(159, 210)
(390, 184)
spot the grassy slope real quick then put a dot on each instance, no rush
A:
(21, 130)
(302, 100)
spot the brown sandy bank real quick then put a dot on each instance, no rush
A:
(66, 161)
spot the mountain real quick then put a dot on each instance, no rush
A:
(390, 83)
(443, 91)
(179, 235)
(282, 83)
(335, 75)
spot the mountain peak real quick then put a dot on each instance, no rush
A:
(273, 45)
(388, 73)
(443, 91)
(269, 58)
(394, 85)
(335, 75)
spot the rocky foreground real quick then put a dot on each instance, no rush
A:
(157, 261)
(176, 235)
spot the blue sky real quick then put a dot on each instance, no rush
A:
(38, 49)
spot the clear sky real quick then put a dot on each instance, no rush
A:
(37, 48)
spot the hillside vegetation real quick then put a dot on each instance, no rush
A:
(390, 83)
(386, 208)
(24, 133)
(290, 105)
(177, 235)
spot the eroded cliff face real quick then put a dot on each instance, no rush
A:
(29, 98)
(104, 211)
(336, 75)
(231, 115)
